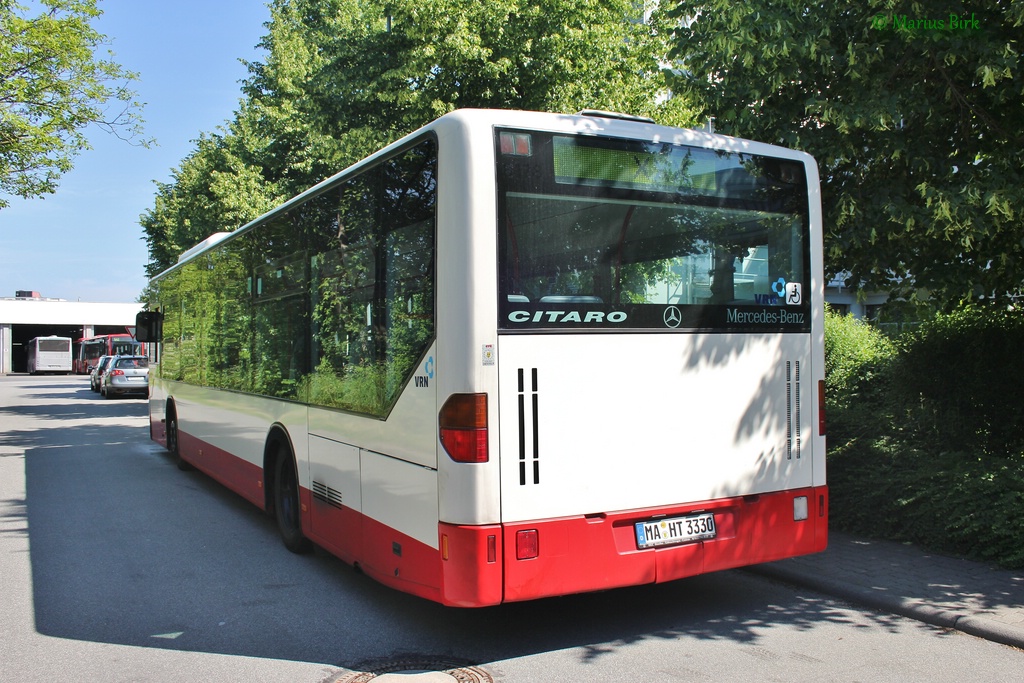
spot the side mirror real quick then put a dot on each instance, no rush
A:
(149, 326)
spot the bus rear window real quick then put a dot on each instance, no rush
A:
(610, 234)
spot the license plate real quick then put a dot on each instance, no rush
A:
(674, 530)
(136, 379)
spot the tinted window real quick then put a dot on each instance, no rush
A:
(55, 345)
(330, 303)
(373, 304)
(617, 234)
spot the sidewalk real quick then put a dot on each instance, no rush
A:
(903, 579)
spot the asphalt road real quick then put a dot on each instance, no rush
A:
(116, 566)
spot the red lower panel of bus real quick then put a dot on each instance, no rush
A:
(480, 565)
(476, 566)
(237, 474)
(598, 552)
(382, 553)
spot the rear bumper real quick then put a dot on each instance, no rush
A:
(126, 389)
(598, 552)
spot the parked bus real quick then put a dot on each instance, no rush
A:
(516, 355)
(88, 350)
(49, 354)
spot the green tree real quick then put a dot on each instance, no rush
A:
(400, 63)
(913, 111)
(52, 87)
(213, 189)
(342, 78)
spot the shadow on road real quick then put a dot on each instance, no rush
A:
(126, 549)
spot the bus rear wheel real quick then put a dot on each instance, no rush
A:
(286, 505)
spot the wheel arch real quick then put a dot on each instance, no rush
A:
(172, 434)
(278, 444)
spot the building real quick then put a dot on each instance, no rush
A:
(849, 302)
(28, 315)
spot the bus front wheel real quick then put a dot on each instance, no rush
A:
(286, 505)
(173, 446)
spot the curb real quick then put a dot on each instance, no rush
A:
(965, 622)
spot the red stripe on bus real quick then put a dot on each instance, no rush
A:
(241, 476)
(592, 553)
(476, 566)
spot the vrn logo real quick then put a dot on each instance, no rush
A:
(423, 381)
(773, 299)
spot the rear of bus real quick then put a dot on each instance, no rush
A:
(657, 353)
(50, 354)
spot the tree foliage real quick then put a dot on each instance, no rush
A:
(52, 87)
(342, 78)
(912, 109)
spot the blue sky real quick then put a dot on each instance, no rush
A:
(85, 242)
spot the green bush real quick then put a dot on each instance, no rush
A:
(925, 436)
(856, 358)
(959, 503)
(858, 361)
(960, 379)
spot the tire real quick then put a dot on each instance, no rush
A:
(172, 442)
(286, 504)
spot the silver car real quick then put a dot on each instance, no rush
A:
(96, 374)
(126, 375)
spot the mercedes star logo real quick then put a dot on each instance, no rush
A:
(672, 317)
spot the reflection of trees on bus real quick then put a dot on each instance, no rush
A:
(330, 303)
(374, 303)
(710, 228)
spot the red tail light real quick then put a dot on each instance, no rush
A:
(117, 373)
(463, 427)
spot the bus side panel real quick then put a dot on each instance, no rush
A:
(408, 433)
(400, 543)
(233, 430)
(336, 507)
(241, 476)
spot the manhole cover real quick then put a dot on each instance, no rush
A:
(459, 671)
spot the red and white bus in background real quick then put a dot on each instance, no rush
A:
(89, 349)
(516, 355)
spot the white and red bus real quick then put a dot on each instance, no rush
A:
(89, 349)
(516, 355)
